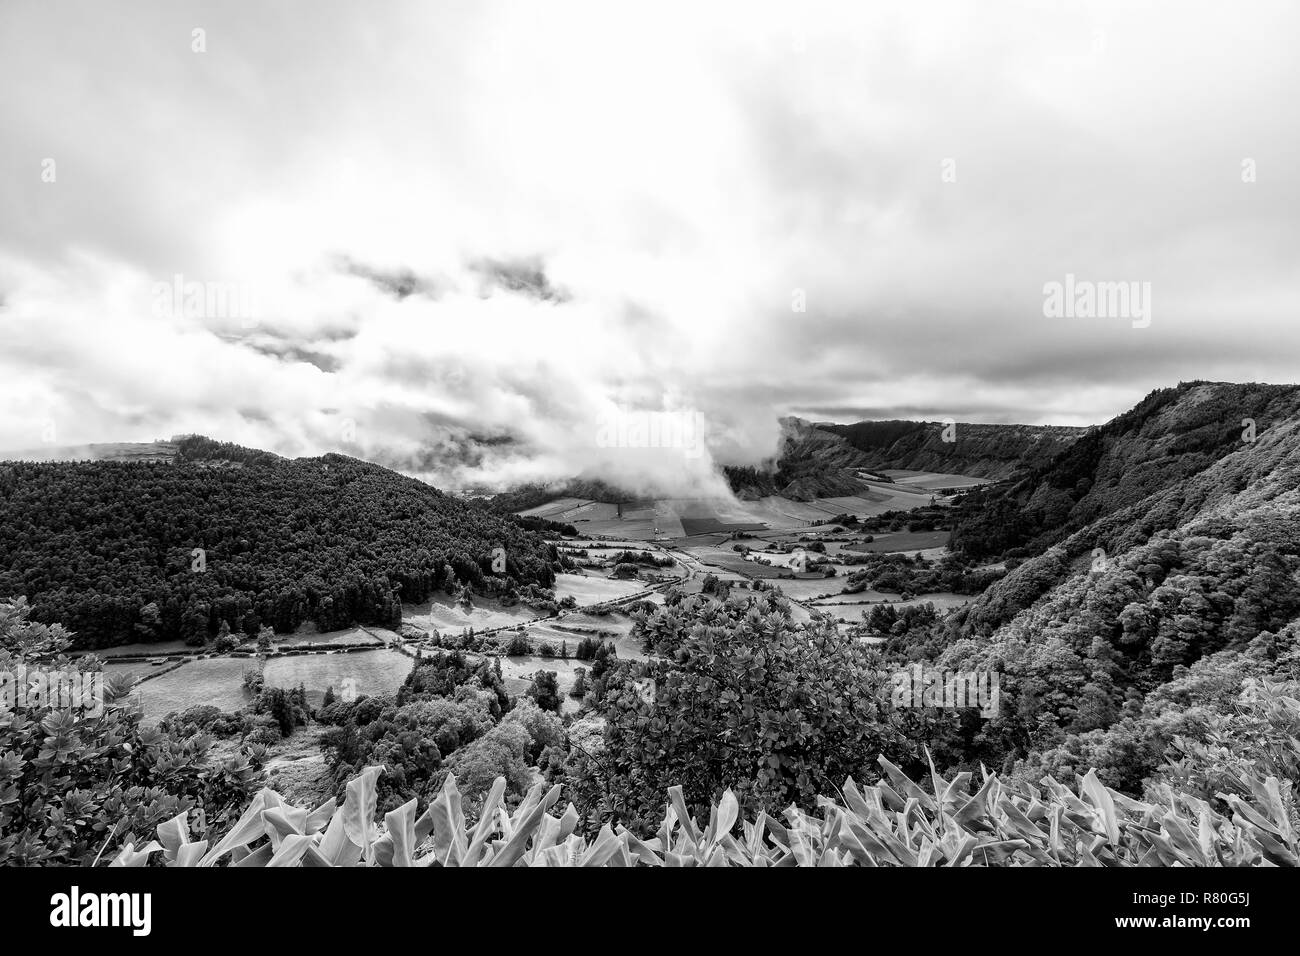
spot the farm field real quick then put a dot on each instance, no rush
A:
(594, 590)
(725, 559)
(942, 600)
(218, 681)
(861, 597)
(627, 648)
(553, 508)
(309, 635)
(444, 616)
(676, 518)
(898, 541)
(380, 671)
(156, 649)
(934, 480)
(805, 589)
(133, 670)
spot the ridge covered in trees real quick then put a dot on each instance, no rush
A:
(979, 450)
(122, 552)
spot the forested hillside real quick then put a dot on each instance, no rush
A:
(981, 451)
(1137, 464)
(811, 463)
(108, 548)
(823, 460)
(1167, 588)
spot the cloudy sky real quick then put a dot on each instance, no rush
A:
(464, 237)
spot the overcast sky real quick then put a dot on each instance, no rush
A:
(474, 232)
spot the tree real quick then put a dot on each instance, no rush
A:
(194, 624)
(545, 690)
(150, 622)
(742, 698)
(105, 546)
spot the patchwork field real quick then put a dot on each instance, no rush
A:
(676, 518)
(697, 533)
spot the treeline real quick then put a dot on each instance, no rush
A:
(123, 552)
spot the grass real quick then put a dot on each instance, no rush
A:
(901, 541)
(444, 616)
(218, 681)
(380, 671)
(593, 590)
(309, 635)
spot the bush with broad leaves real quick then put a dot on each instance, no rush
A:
(897, 822)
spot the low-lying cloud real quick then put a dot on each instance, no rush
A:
(477, 236)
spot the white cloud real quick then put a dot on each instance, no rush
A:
(677, 171)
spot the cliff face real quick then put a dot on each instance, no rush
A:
(981, 451)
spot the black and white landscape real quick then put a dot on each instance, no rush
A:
(565, 434)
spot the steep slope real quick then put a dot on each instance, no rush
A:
(811, 463)
(1147, 624)
(1170, 436)
(1208, 566)
(981, 451)
(108, 547)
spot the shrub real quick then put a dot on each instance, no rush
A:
(75, 786)
(744, 698)
(545, 729)
(545, 690)
(518, 646)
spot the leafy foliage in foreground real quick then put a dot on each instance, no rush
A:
(893, 823)
(72, 787)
